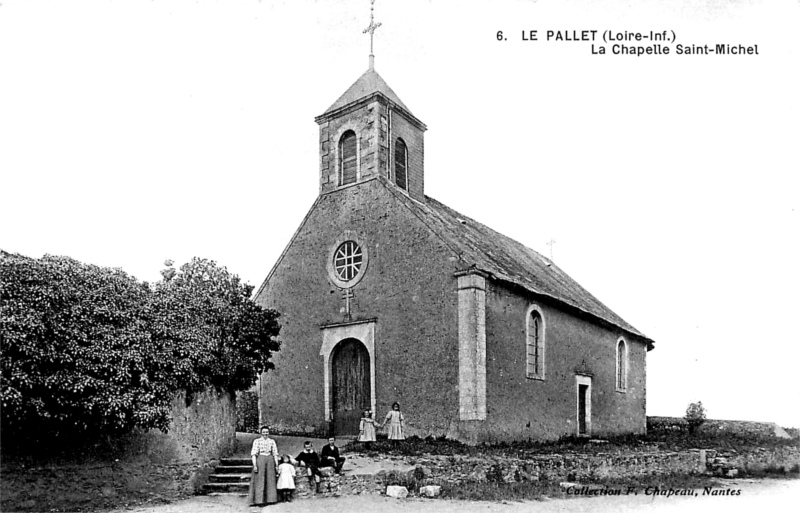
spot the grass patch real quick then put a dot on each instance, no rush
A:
(673, 441)
(487, 491)
(674, 481)
(773, 471)
(90, 487)
(537, 490)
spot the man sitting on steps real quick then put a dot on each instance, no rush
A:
(330, 456)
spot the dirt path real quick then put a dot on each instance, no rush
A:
(765, 495)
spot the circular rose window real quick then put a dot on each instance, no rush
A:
(347, 261)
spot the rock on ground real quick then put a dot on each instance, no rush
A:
(430, 491)
(398, 492)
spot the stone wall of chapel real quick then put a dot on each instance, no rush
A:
(408, 287)
(522, 408)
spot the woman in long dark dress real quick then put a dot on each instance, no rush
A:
(263, 481)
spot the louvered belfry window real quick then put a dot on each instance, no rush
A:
(348, 157)
(401, 164)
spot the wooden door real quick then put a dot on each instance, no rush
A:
(350, 389)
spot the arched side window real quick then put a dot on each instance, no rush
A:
(622, 365)
(348, 158)
(401, 163)
(535, 344)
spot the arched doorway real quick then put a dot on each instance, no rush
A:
(350, 385)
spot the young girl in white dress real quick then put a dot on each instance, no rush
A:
(395, 420)
(366, 431)
(285, 479)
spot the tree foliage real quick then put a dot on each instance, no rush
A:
(232, 338)
(91, 349)
(695, 416)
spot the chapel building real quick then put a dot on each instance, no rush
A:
(387, 295)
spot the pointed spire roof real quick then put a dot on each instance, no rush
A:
(367, 84)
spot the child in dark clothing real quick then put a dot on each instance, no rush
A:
(310, 459)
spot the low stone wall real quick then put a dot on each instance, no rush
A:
(588, 468)
(556, 468)
(740, 428)
(743, 428)
(138, 467)
(433, 470)
(734, 463)
(332, 484)
(666, 424)
(567, 467)
(207, 425)
(459, 470)
(279, 427)
(202, 430)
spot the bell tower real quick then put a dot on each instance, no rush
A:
(369, 133)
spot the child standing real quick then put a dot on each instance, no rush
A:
(395, 420)
(366, 431)
(285, 479)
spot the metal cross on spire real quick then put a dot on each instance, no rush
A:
(371, 29)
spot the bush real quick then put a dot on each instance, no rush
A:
(90, 350)
(695, 416)
(228, 337)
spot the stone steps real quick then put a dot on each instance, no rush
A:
(234, 469)
(231, 477)
(236, 462)
(238, 489)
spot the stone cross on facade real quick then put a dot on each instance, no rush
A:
(371, 29)
(347, 295)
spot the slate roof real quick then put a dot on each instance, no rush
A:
(368, 83)
(507, 260)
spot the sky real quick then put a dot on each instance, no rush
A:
(133, 132)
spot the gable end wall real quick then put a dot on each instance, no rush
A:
(408, 287)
